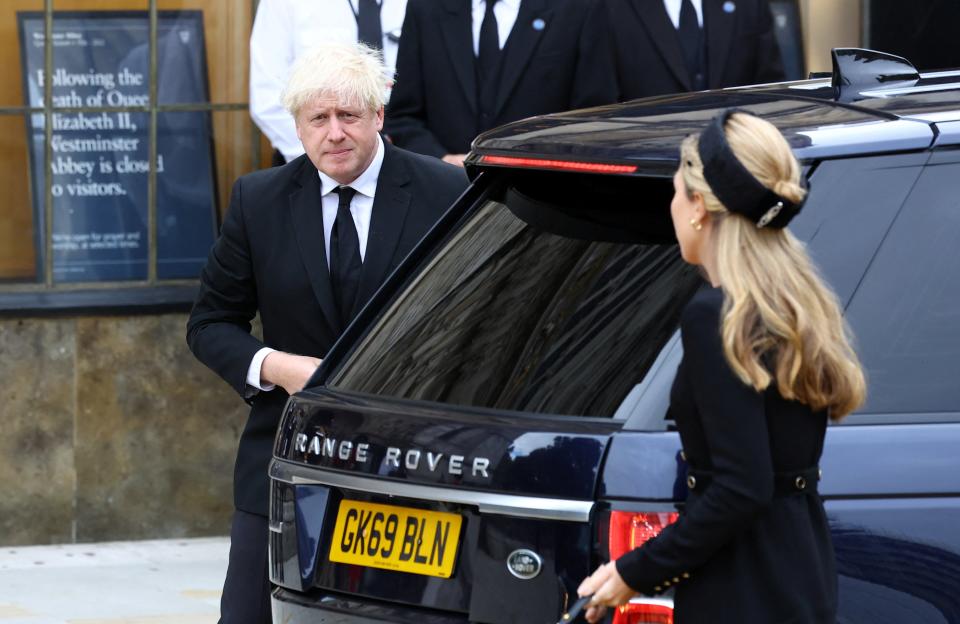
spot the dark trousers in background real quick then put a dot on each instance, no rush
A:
(246, 591)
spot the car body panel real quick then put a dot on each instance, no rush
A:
(861, 461)
(898, 559)
(892, 461)
(948, 133)
(476, 449)
(656, 456)
(302, 608)
(517, 484)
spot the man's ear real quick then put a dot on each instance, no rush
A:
(380, 118)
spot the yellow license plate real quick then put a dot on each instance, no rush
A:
(396, 538)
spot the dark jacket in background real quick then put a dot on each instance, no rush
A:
(270, 258)
(556, 58)
(740, 46)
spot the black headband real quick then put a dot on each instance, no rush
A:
(736, 187)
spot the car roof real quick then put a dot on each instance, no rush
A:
(843, 115)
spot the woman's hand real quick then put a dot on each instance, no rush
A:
(608, 590)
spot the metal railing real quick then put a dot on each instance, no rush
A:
(153, 109)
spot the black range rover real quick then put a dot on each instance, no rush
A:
(494, 424)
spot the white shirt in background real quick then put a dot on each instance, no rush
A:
(506, 13)
(285, 29)
(673, 10)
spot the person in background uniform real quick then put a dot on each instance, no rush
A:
(284, 29)
(465, 66)
(766, 361)
(305, 244)
(672, 46)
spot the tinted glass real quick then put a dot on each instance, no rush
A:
(851, 206)
(906, 311)
(509, 316)
(883, 231)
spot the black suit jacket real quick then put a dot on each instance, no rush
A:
(740, 46)
(270, 259)
(743, 550)
(556, 58)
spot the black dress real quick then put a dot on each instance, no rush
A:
(752, 544)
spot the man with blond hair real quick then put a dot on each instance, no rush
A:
(305, 245)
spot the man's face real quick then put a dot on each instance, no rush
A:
(340, 139)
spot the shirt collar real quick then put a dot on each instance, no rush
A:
(513, 4)
(366, 182)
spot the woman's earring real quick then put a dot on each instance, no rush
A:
(696, 224)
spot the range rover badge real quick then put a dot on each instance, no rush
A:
(524, 564)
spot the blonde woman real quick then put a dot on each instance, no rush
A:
(766, 362)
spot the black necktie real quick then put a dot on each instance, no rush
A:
(369, 30)
(488, 63)
(345, 263)
(691, 40)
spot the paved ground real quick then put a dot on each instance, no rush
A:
(154, 582)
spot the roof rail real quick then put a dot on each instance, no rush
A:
(855, 69)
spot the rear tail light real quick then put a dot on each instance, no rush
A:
(628, 530)
(645, 611)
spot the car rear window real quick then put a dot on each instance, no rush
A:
(509, 315)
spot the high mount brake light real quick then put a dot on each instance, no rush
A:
(627, 531)
(563, 165)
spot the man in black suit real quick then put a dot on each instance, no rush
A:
(305, 244)
(672, 46)
(465, 66)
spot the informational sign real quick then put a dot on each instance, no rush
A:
(100, 163)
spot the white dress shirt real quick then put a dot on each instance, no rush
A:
(361, 209)
(506, 13)
(285, 29)
(673, 10)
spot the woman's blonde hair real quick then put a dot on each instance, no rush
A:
(352, 73)
(777, 311)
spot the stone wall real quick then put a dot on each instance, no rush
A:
(111, 430)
